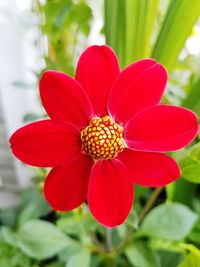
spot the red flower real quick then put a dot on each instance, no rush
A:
(107, 132)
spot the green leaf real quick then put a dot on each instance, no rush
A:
(190, 164)
(195, 233)
(171, 221)
(69, 225)
(41, 240)
(140, 255)
(115, 27)
(178, 23)
(129, 26)
(192, 259)
(192, 101)
(181, 191)
(169, 259)
(8, 235)
(165, 245)
(82, 258)
(67, 252)
(9, 216)
(34, 210)
(140, 19)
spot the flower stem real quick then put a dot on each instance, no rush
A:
(150, 203)
(109, 245)
(144, 211)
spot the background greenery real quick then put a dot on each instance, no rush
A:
(163, 229)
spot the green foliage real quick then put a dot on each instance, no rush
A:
(178, 23)
(139, 254)
(181, 191)
(192, 259)
(81, 258)
(172, 221)
(192, 101)
(190, 164)
(140, 20)
(130, 29)
(169, 258)
(35, 239)
(66, 24)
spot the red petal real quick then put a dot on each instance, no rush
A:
(46, 143)
(66, 186)
(140, 85)
(161, 128)
(110, 193)
(64, 99)
(150, 169)
(96, 70)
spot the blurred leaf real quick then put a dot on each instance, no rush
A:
(115, 27)
(32, 211)
(40, 239)
(192, 101)
(128, 27)
(37, 208)
(179, 21)
(190, 164)
(82, 258)
(66, 24)
(9, 216)
(70, 225)
(181, 191)
(172, 221)
(169, 259)
(192, 259)
(140, 255)
(195, 233)
(67, 252)
(140, 19)
(8, 236)
(165, 245)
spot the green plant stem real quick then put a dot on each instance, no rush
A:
(144, 211)
(149, 203)
(109, 245)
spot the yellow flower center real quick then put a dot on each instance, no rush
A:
(102, 138)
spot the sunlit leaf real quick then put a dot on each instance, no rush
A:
(140, 19)
(179, 21)
(192, 259)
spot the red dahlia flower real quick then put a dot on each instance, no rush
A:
(107, 132)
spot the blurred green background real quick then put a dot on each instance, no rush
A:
(163, 229)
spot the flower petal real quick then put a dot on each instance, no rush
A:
(138, 86)
(64, 98)
(66, 186)
(150, 169)
(110, 193)
(46, 143)
(161, 128)
(96, 70)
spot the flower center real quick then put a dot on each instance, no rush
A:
(102, 138)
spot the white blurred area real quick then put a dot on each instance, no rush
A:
(18, 59)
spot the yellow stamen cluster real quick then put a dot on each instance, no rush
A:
(102, 138)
